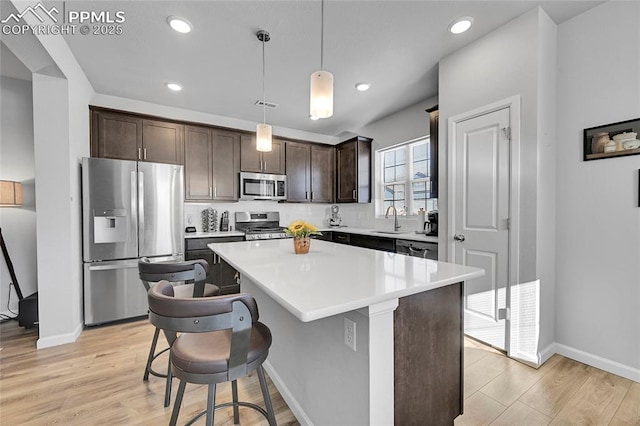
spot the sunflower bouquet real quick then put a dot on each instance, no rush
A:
(301, 229)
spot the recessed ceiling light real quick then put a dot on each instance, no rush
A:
(313, 117)
(174, 86)
(461, 25)
(363, 87)
(181, 25)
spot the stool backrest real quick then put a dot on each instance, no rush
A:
(235, 312)
(194, 271)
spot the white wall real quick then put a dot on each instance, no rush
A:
(61, 95)
(17, 163)
(502, 64)
(598, 218)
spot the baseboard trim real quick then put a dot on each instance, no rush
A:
(592, 360)
(288, 397)
(60, 339)
(547, 353)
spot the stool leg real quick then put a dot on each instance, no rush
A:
(266, 396)
(152, 352)
(234, 391)
(167, 391)
(176, 405)
(211, 403)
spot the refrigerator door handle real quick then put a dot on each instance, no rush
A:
(134, 202)
(140, 207)
(112, 267)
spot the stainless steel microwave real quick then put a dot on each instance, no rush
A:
(261, 186)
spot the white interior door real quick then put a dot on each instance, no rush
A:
(481, 221)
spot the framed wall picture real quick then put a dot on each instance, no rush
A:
(612, 140)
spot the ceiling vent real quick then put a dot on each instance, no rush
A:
(266, 104)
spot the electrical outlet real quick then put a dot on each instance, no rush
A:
(350, 333)
(189, 219)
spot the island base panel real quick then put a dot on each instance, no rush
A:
(428, 345)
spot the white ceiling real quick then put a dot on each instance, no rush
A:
(394, 45)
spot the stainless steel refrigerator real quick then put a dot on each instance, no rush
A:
(130, 210)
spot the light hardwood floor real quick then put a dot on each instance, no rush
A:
(98, 380)
(500, 391)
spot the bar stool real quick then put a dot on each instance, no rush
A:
(222, 340)
(193, 273)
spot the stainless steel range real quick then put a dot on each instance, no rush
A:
(260, 225)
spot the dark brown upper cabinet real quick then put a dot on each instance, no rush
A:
(252, 160)
(162, 142)
(353, 170)
(310, 172)
(125, 136)
(212, 164)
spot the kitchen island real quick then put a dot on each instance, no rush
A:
(404, 315)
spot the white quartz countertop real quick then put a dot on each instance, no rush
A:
(383, 233)
(217, 234)
(335, 278)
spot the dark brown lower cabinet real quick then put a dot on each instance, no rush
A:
(428, 352)
(220, 272)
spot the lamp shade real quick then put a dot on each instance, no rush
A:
(10, 193)
(321, 94)
(263, 137)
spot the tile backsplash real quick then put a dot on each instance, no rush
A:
(356, 215)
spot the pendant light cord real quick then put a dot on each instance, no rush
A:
(264, 105)
(322, 35)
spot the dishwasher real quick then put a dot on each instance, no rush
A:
(418, 249)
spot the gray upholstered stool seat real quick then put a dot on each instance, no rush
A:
(189, 281)
(221, 340)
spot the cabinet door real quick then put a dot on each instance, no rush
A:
(250, 158)
(162, 142)
(322, 174)
(116, 136)
(197, 164)
(227, 277)
(226, 164)
(206, 255)
(346, 157)
(274, 161)
(298, 168)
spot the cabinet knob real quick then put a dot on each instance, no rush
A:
(353, 194)
(139, 153)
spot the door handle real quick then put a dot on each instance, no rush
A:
(459, 238)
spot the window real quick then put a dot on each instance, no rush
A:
(406, 180)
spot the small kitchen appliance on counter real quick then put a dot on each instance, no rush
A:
(260, 225)
(431, 225)
(335, 219)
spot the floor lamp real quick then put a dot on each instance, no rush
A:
(11, 196)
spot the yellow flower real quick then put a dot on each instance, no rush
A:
(302, 229)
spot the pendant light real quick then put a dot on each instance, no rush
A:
(263, 130)
(321, 93)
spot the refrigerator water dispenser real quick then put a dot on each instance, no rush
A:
(110, 226)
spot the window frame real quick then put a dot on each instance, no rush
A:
(409, 179)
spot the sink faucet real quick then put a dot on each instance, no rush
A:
(395, 217)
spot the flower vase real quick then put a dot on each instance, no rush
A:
(301, 245)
